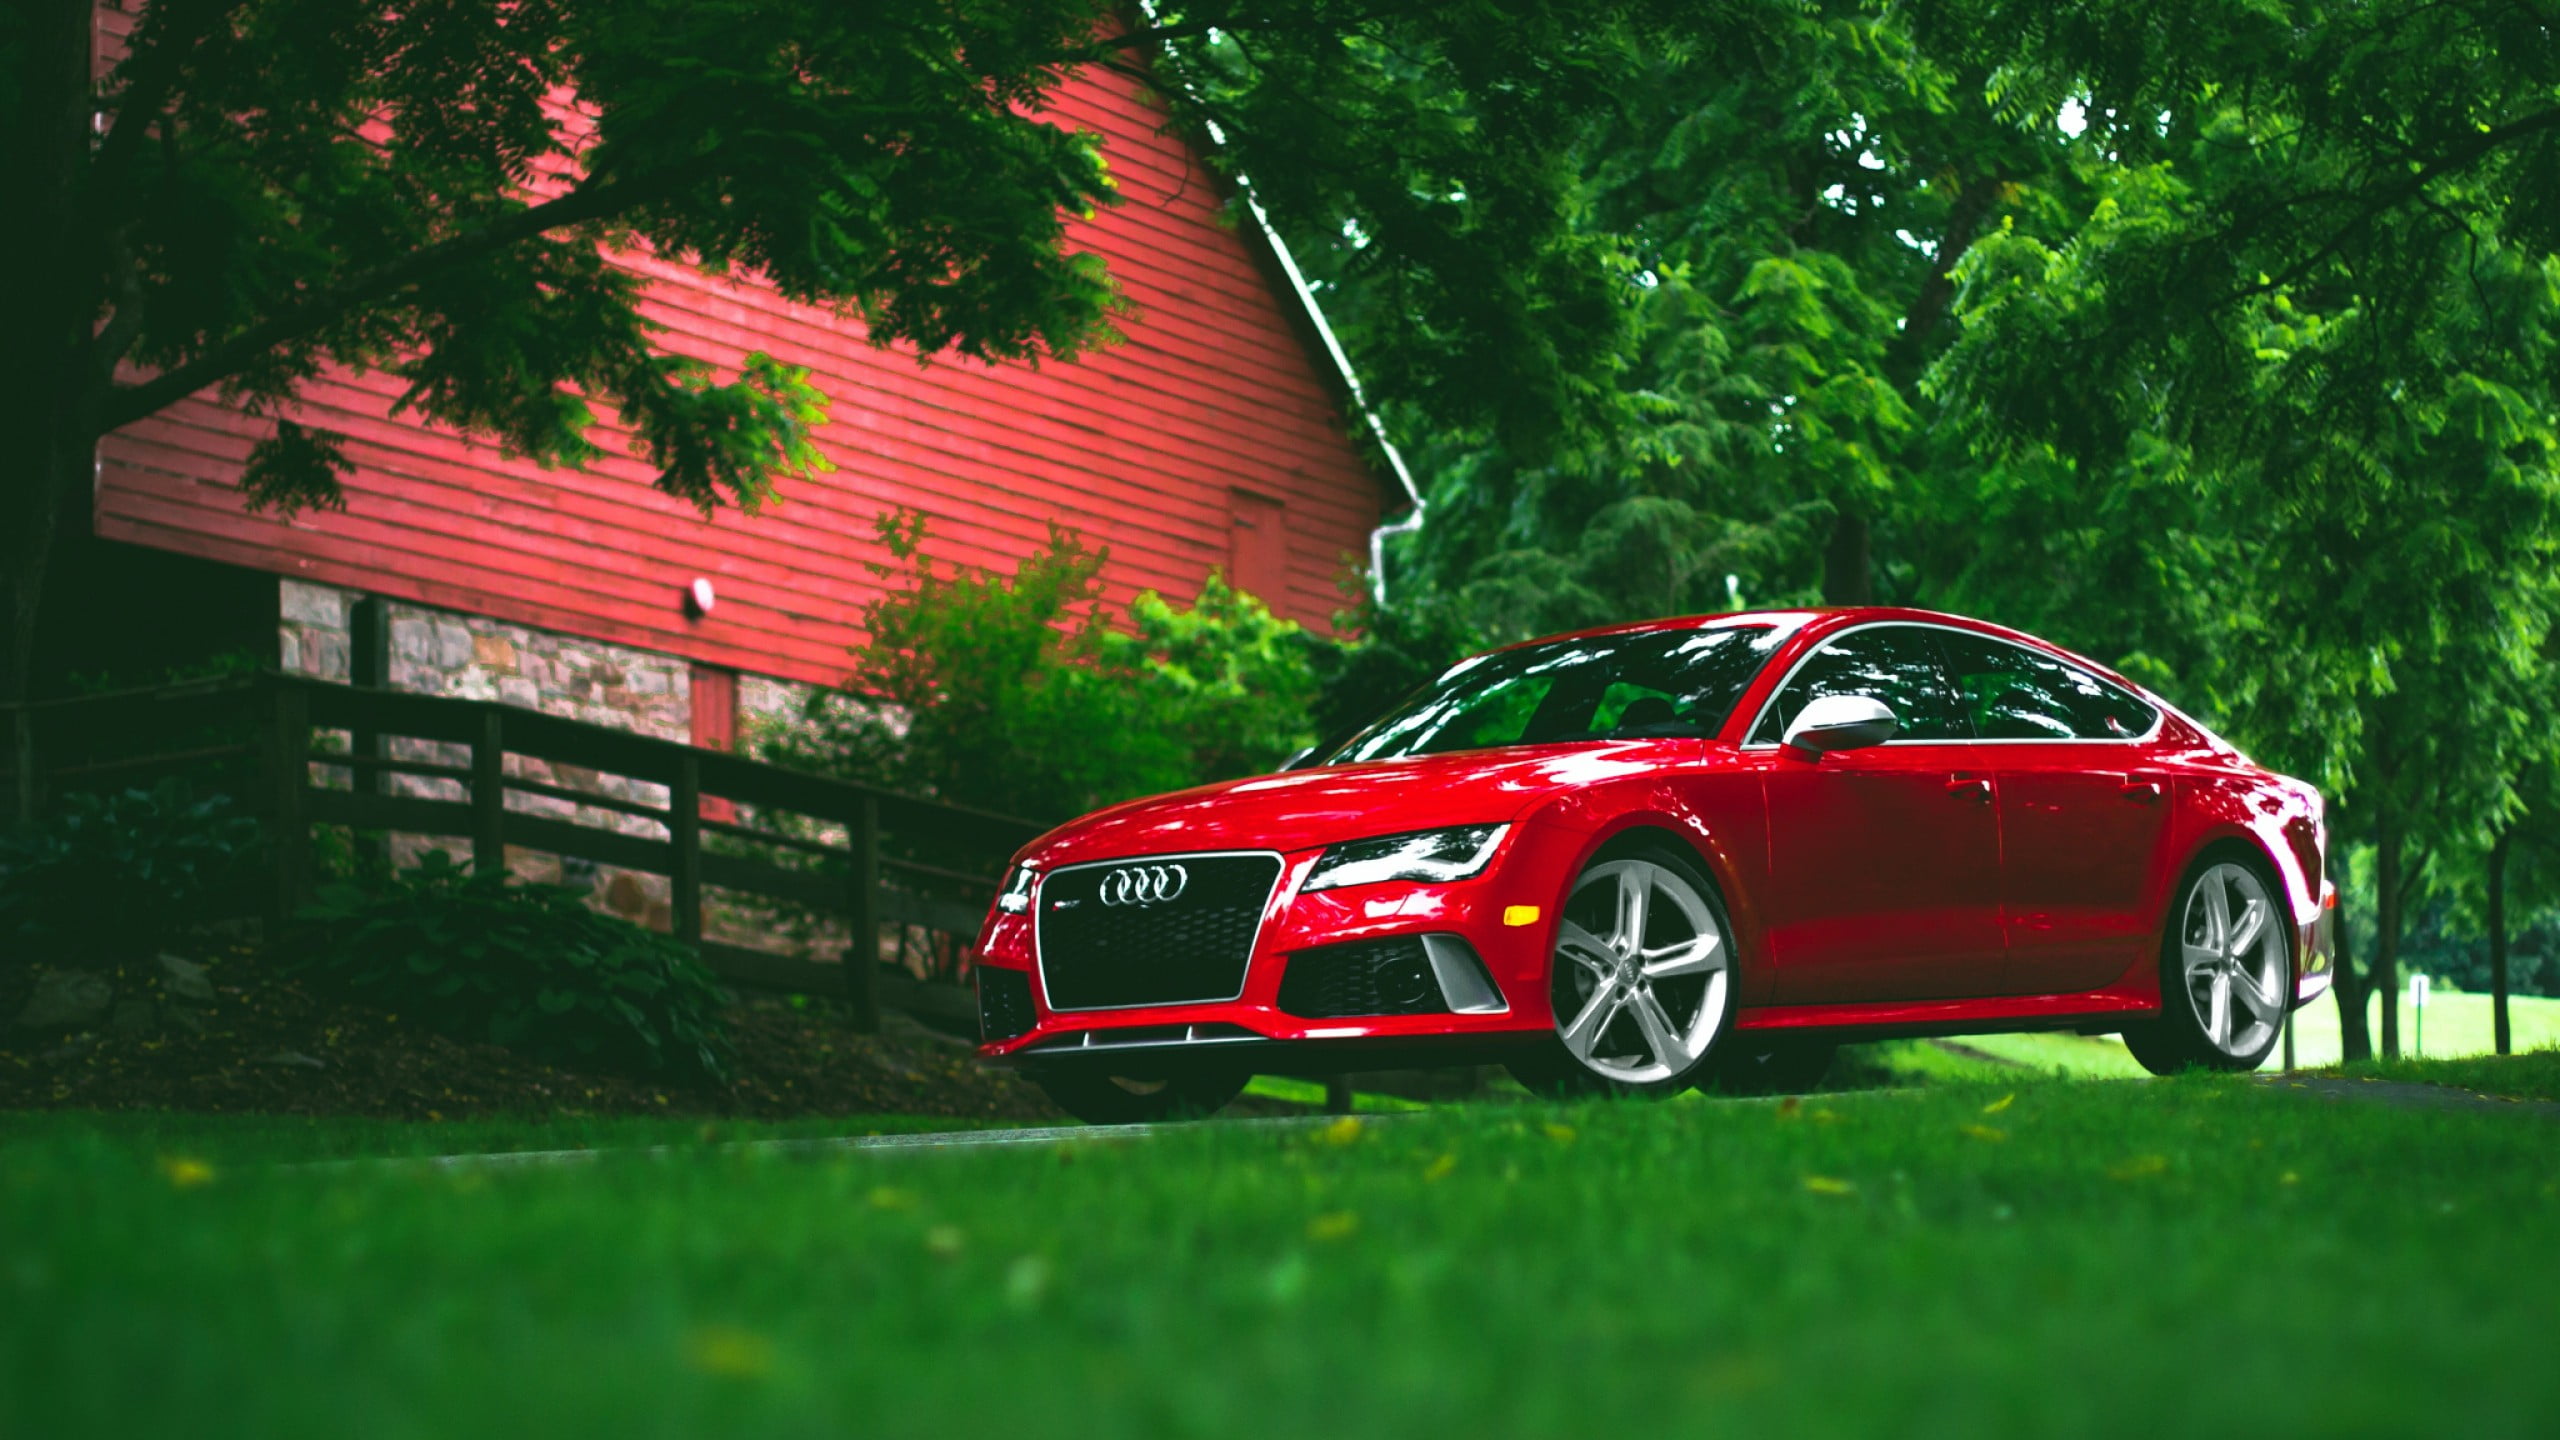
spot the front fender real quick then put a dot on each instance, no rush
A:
(1721, 817)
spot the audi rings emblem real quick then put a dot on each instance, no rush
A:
(1143, 884)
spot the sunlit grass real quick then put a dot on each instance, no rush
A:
(2457, 1024)
(2532, 1075)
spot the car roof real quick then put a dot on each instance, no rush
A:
(1826, 619)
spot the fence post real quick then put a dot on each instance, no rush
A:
(369, 668)
(862, 956)
(288, 767)
(684, 831)
(489, 796)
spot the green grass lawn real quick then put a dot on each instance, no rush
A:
(2198, 1256)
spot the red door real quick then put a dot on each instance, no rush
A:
(2082, 813)
(1885, 871)
(1884, 862)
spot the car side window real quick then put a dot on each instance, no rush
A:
(2013, 693)
(1897, 664)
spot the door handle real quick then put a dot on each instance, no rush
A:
(2142, 792)
(1969, 787)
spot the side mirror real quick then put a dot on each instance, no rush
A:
(1840, 722)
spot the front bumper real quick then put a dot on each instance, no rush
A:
(2318, 948)
(1507, 919)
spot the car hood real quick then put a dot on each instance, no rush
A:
(1301, 809)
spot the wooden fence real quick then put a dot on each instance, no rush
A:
(850, 856)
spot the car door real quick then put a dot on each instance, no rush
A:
(2084, 810)
(1884, 861)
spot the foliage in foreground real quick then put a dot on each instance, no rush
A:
(530, 967)
(112, 877)
(1018, 694)
(1966, 1261)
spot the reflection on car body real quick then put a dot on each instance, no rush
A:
(1695, 851)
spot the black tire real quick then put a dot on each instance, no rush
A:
(2185, 1036)
(1100, 1099)
(1746, 1065)
(1552, 1070)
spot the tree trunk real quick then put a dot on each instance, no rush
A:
(1845, 567)
(2498, 941)
(48, 380)
(2386, 927)
(30, 545)
(2355, 1041)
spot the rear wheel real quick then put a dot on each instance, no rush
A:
(2226, 971)
(1100, 1099)
(1642, 979)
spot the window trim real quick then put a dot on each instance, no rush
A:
(2159, 712)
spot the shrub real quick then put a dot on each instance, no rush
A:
(530, 967)
(112, 877)
(1019, 693)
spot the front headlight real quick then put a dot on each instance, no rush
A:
(1017, 891)
(1429, 856)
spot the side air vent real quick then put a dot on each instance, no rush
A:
(1004, 1003)
(1400, 975)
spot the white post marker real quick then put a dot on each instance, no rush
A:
(2418, 1003)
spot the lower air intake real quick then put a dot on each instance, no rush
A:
(1367, 977)
(1004, 1003)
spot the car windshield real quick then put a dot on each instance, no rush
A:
(1657, 683)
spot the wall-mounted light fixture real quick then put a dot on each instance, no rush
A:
(699, 597)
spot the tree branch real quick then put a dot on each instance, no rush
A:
(228, 358)
(2462, 158)
(173, 30)
(117, 335)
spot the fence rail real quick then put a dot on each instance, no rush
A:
(851, 854)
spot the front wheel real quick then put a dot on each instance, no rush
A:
(2226, 971)
(1099, 1099)
(1642, 979)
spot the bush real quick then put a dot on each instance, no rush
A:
(1019, 694)
(529, 967)
(113, 877)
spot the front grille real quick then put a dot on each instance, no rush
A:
(1367, 977)
(1140, 950)
(1004, 1003)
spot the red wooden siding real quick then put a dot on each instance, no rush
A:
(1143, 447)
(1258, 545)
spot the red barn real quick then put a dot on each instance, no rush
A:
(1215, 435)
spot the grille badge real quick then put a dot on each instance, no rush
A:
(1144, 884)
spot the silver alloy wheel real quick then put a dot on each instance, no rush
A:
(2232, 952)
(1641, 970)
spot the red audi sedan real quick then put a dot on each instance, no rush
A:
(1695, 851)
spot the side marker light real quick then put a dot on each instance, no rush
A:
(1519, 914)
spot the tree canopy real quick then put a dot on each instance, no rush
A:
(2212, 339)
(260, 189)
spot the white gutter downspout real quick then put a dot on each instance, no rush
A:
(1359, 398)
(1341, 362)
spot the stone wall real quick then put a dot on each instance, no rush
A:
(468, 657)
(436, 652)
